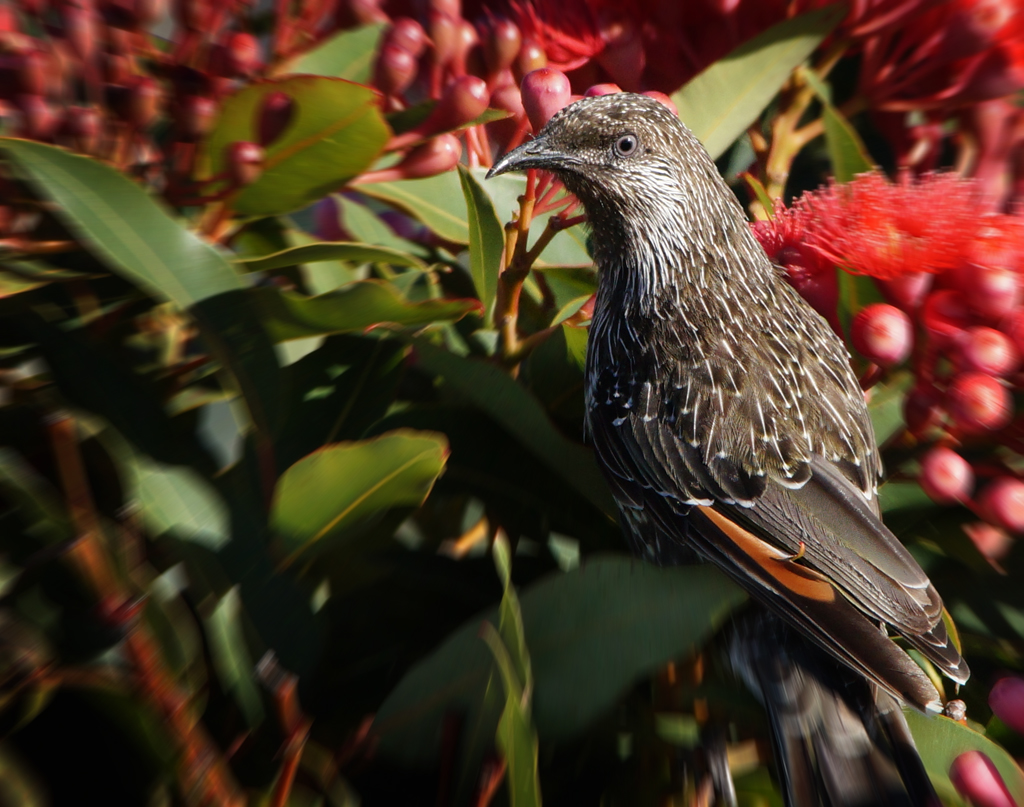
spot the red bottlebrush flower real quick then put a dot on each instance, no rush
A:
(566, 31)
(872, 226)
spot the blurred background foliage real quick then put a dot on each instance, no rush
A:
(295, 501)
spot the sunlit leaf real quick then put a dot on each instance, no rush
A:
(330, 251)
(941, 740)
(486, 241)
(727, 97)
(340, 486)
(355, 307)
(845, 148)
(125, 227)
(231, 657)
(348, 54)
(336, 132)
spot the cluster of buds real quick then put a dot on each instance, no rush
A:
(953, 311)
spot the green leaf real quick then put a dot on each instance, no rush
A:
(486, 241)
(886, 405)
(491, 390)
(123, 226)
(761, 193)
(435, 201)
(726, 98)
(337, 488)
(330, 251)
(845, 148)
(405, 120)
(438, 203)
(231, 657)
(355, 307)
(348, 55)
(366, 225)
(510, 616)
(941, 740)
(33, 499)
(336, 133)
(592, 632)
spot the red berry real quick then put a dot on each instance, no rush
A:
(1002, 503)
(989, 351)
(978, 402)
(908, 290)
(545, 91)
(245, 162)
(502, 45)
(882, 334)
(1007, 701)
(946, 476)
(276, 113)
(977, 780)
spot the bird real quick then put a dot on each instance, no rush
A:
(729, 424)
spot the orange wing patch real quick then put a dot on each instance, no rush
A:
(804, 582)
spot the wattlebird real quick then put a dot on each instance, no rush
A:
(728, 422)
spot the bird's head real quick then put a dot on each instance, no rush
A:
(629, 160)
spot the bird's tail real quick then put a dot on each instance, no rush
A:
(839, 741)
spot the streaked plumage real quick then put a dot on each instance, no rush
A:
(722, 408)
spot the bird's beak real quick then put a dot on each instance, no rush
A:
(538, 153)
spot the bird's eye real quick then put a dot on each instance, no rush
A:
(626, 145)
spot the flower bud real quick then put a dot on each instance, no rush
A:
(245, 162)
(198, 112)
(192, 14)
(922, 410)
(395, 71)
(83, 125)
(989, 351)
(503, 44)
(1007, 701)
(463, 100)
(407, 34)
(81, 24)
(545, 91)
(993, 291)
(1013, 326)
(242, 51)
(38, 119)
(976, 778)
(531, 57)
(907, 290)
(992, 542)
(624, 56)
(276, 113)
(354, 13)
(1002, 503)
(31, 71)
(143, 103)
(444, 33)
(946, 477)
(602, 89)
(466, 38)
(882, 334)
(437, 155)
(664, 100)
(945, 316)
(977, 402)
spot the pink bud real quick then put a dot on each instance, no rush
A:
(502, 45)
(453, 8)
(545, 91)
(882, 334)
(989, 351)
(976, 778)
(444, 33)
(192, 14)
(946, 477)
(907, 290)
(243, 54)
(396, 69)
(602, 89)
(407, 34)
(463, 100)
(1002, 502)
(198, 113)
(978, 402)
(664, 100)
(945, 316)
(436, 156)
(276, 113)
(245, 162)
(922, 410)
(83, 125)
(81, 24)
(531, 57)
(993, 291)
(1013, 326)
(38, 118)
(994, 543)
(32, 68)
(1007, 701)
(508, 98)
